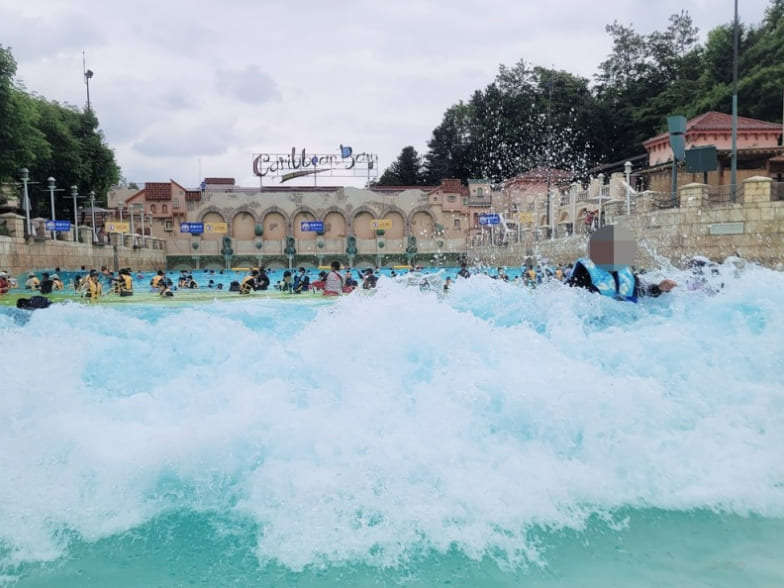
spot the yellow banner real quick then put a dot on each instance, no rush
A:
(216, 228)
(382, 223)
(525, 217)
(117, 227)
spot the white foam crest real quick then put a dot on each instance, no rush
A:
(382, 425)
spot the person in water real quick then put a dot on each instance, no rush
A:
(607, 270)
(91, 285)
(124, 282)
(164, 289)
(301, 281)
(248, 283)
(333, 283)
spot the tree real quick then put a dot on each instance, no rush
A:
(407, 170)
(20, 140)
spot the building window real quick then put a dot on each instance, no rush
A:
(152, 208)
(480, 192)
(457, 224)
(175, 203)
(451, 198)
(164, 208)
(167, 225)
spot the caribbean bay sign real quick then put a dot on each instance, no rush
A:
(296, 164)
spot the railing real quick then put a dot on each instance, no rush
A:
(721, 195)
(663, 200)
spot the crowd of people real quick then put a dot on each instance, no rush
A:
(606, 270)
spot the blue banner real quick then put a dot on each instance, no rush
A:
(58, 225)
(193, 228)
(307, 226)
(489, 219)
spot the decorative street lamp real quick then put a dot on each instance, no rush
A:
(75, 195)
(25, 177)
(627, 168)
(92, 210)
(53, 218)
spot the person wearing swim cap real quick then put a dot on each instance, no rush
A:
(607, 270)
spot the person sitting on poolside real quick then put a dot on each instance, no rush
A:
(606, 271)
(5, 285)
(57, 283)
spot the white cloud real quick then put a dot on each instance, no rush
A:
(249, 85)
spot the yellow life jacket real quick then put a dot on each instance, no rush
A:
(125, 284)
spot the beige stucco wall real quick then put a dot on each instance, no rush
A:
(18, 255)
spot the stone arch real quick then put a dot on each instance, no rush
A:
(243, 224)
(212, 215)
(563, 217)
(302, 213)
(361, 221)
(399, 223)
(421, 223)
(360, 218)
(335, 223)
(275, 223)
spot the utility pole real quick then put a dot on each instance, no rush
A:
(734, 159)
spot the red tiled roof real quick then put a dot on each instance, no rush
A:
(718, 121)
(219, 181)
(451, 186)
(192, 194)
(157, 191)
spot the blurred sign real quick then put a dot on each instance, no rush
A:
(58, 225)
(381, 223)
(702, 159)
(216, 228)
(194, 228)
(525, 217)
(725, 229)
(311, 226)
(489, 219)
(117, 227)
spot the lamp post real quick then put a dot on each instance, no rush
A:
(627, 168)
(25, 177)
(88, 73)
(133, 231)
(75, 195)
(51, 182)
(601, 189)
(92, 211)
(141, 217)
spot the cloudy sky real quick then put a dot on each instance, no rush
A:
(187, 89)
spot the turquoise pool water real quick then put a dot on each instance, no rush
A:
(498, 436)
